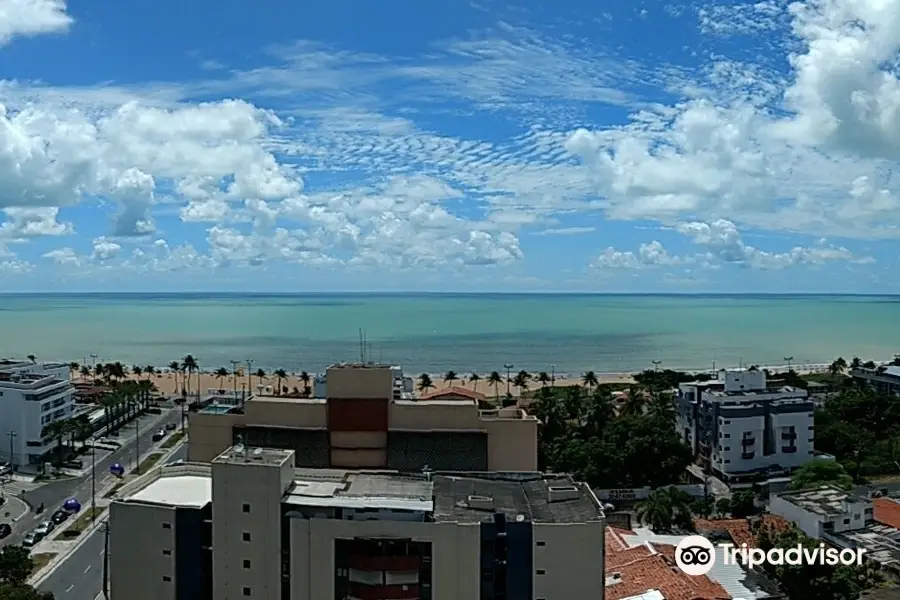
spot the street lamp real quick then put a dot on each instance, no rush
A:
(788, 360)
(553, 374)
(656, 364)
(509, 369)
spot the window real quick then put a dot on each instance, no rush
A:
(246, 591)
(167, 526)
(846, 521)
(246, 563)
(246, 507)
(167, 553)
(541, 543)
(246, 536)
(166, 578)
(541, 572)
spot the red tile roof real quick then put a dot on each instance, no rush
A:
(453, 391)
(739, 529)
(887, 512)
(647, 567)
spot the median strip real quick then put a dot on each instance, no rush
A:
(41, 560)
(82, 522)
(148, 463)
(174, 439)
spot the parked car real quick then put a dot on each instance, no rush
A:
(159, 435)
(73, 464)
(45, 528)
(31, 539)
(5, 530)
(60, 516)
(5, 468)
(171, 427)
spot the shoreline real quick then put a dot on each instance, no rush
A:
(165, 380)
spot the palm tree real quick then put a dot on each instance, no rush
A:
(544, 378)
(175, 367)
(634, 403)
(521, 381)
(665, 508)
(856, 363)
(601, 410)
(589, 380)
(495, 379)
(425, 382)
(149, 371)
(281, 374)
(305, 378)
(99, 370)
(450, 377)
(189, 363)
(260, 376)
(662, 407)
(837, 367)
(221, 373)
(117, 371)
(32, 357)
(57, 430)
(85, 371)
(137, 370)
(475, 378)
(73, 369)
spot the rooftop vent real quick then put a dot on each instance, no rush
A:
(564, 492)
(480, 502)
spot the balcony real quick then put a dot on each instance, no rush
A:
(790, 436)
(385, 563)
(382, 592)
(748, 441)
(748, 455)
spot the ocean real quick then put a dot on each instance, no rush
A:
(463, 332)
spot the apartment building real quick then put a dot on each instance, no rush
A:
(884, 379)
(823, 510)
(740, 429)
(32, 395)
(251, 525)
(367, 422)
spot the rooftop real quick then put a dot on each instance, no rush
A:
(453, 391)
(886, 511)
(827, 500)
(176, 490)
(474, 497)
(757, 394)
(346, 489)
(882, 543)
(242, 454)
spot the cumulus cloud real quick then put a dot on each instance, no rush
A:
(32, 17)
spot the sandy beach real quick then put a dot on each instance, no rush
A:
(210, 383)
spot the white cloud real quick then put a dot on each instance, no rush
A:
(32, 17)
(104, 250)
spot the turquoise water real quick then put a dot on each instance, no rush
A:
(438, 332)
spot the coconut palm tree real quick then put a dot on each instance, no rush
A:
(149, 371)
(221, 373)
(544, 378)
(665, 508)
(190, 366)
(32, 357)
(495, 379)
(425, 383)
(601, 410)
(450, 377)
(73, 369)
(634, 403)
(837, 367)
(521, 381)
(475, 378)
(281, 375)
(855, 363)
(305, 378)
(589, 380)
(57, 430)
(85, 371)
(662, 407)
(260, 376)
(137, 370)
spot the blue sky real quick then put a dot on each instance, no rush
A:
(400, 145)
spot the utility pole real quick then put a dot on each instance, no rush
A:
(234, 365)
(106, 559)
(509, 369)
(552, 374)
(12, 455)
(249, 375)
(93, 361)
(137, 442)
(93, 483)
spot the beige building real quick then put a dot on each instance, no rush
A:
(361, 425)
(251, 525)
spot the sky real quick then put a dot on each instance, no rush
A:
(397, 145)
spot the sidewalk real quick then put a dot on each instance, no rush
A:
(105, 495)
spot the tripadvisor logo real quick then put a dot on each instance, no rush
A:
(696, 555)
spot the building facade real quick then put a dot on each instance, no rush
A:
(32, 396)
(884, 379)
(251, 525)
(740, 429)
(361, 424)
(823, 511)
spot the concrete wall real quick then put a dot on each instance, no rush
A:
(355, 381)
(809, 523)
(141, 551)
(569, 560)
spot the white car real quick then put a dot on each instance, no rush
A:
(44, 529)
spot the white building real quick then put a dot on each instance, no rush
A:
(825, 510)
(32, 395)
(741, 429)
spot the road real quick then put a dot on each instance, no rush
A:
(180, 454)
(53, 494)
(80, 575)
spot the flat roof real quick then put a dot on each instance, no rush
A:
(176, 490)
(823, 501)
(475, 497)
(239, 453)
(347, 489)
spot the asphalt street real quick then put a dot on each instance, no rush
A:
(80, 575)
(54, 493)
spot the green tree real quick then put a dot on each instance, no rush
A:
(23, 592)
(280, 375)
(817, 473)
(425, 382)
(742, 504)
(495, 379)
(450, 377)
(16, 565)
(665, 509)
(723, 506)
